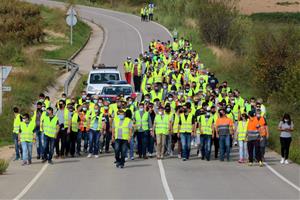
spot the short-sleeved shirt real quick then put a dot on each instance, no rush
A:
(223, 125)
(284, 125)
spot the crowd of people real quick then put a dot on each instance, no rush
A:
(182, 105)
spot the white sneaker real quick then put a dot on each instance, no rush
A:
(179, 156)
(132, 158)
(286, 162)
(192, 143)
(199, 155)
(89, 155)
(126, 158)
(96, 156)
(282, 160)
(171, 154)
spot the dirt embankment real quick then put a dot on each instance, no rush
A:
(255, 6)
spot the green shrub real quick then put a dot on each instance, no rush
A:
(277, 17)
(3, 165)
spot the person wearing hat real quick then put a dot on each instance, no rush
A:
(128, 66)
(51, 128)
(224, 131)
(137, 75)
(121, 136)
(161, 129)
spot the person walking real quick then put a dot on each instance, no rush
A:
(206, 128)
(16, 131)
(73, 130)
(26, 138)
(38, 116)
(161, 127)
(253, 139)
(224, 131)
(286, 127)
(143, 126)
(137, 75)
(51, 128)
(241, 131)
(186, 130)
(128, 65)
(121, 136)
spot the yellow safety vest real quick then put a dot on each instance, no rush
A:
(128, 66)
(122, 130)
(141, 121)
(175, 124)
(242, 130)
(206, 125)
(186, 124)
(75, 124)
(17, 122)
(27, 131)
(93, 118)
(161, 124)
(50, 126)
(156, 96)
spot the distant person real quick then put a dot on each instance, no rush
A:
(286, 127)
(16, 132)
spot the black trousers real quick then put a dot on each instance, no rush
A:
(285, 147)
(137, 80)
(120, 151)
(61, 138)
(216, 144)
(106, 141)
(73, 141)
(254, 145)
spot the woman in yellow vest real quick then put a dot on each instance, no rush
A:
(121, 136)
(241, 131)
(175, 132)
(51, 129)
(26, 138)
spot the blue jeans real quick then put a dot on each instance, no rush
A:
(243, 151)
(39, 143)
(49, 144)
(205, 141)
(79, 138)
(94, 142)
(224, 141)
(186, 144)
(18, 149)
(27, 150)
(120, 151)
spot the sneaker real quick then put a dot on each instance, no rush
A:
(241, 161)
(24, 163)
(96, 156)
(29, 162)
(261, 164)
(235, 143)
(250, 164)
(183, 159)
(192, 143)
(126, 158)
(121, 166)
(179, 156)
(132, 158)
(286, 162)
(171, 154)
(90, 155)
(282, 160)
(199, 155)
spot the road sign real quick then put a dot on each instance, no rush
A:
(6, 88)
(5, 72)
(71, 20)
(71, 11)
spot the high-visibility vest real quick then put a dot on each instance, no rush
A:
(242, 130)
(175, 124)
(142, 121)
(186, 124)
(206, 125)
(50, 126)
(66, 118)
(158, 77)
(177, 78)
(175, 46)
(27, 131)
(128, 66)
(161, 124)
(17, 122)
(142, 11)
(235, 111)
(155, 95)
(83, 120)
(47, 103)
(75, 124)
(139, 67)
(122, 130)
(93, 119)
(42, 121)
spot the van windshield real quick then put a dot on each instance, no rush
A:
(100, 78)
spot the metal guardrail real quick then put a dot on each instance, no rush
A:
(70, 66)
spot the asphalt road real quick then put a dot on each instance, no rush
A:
(83, 178)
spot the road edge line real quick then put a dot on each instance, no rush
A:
(164, 180)
(32, 182)
(282, 177)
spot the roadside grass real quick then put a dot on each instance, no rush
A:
(3, 165)
(231, 71)
(30, 74)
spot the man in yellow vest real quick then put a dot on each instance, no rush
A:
(143, 126)
(137, 75)
(96, 126)
(187, 123)
(161, 128)
(51, 129)
(128, 65)
(73, 128)
(121, 136)
(16, 131)
(175, 131)
(26, 138)
(206, 129)
(38, 116)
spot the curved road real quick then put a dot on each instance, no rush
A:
(83, 178)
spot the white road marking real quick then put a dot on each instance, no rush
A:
(281, 177)
(164, 180)
(32, 182)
